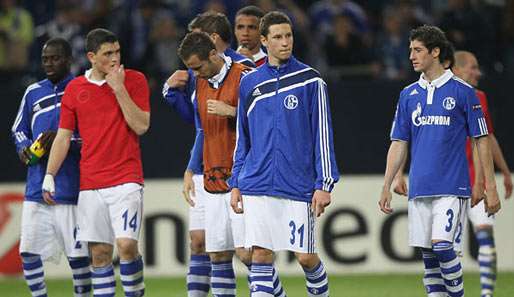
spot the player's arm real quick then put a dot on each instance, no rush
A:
(499, 161)
(58, 153)
(21, 131)
(325, 163)
(484, 153)
(178, 91)
(478, 191)
(195, 159)
(399, 184)
(395, 158)
(137, 119)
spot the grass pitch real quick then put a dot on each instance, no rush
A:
(365, 285)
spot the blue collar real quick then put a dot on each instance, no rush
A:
(283, 68)
(60, 85)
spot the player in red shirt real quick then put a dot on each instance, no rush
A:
(109, 106)
(247, 33)
(466, 67)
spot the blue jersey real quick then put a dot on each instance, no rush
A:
(284, 142)
(39, 112)
(238, 58)
(436, 118)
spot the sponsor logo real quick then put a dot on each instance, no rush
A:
(449, 103)
(291, 102)
(430, 120)
(11, 205)
(256, 92)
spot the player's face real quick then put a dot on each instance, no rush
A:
(247, 31)
(106, 58)
(422, 60)
(279, 43)
(55, 63)
(202, 68)
(470, 71)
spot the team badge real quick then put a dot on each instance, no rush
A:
(291, 102)
(449, 103)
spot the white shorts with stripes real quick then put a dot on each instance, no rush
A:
(437, 218)
(279, 224)
(110, 213)
(49, 230)
(197, 212)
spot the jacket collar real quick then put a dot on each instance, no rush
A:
(60, 85)
(218, 79)
(283, 68)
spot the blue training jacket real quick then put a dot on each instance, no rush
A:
(39, 112)
(182, 102)
(284, 142)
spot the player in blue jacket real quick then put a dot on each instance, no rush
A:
(49, 226)
(435, 115)
(284, 163)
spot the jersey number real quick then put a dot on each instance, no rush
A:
(450, 215)
(132, 223)
(300, 232)
(78, 245)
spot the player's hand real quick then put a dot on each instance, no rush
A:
(243, 50)
(49, 189)
(24, 155)
(46, 140)
(400, 186)
(115, 78)
(189, 187)
(320, 200)
(178, 79)
(507, 183)
(477, 193)
(220, 108)
(385, 201)
(491, 201)
(236, 201)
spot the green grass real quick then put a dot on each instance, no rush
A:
(365, 285)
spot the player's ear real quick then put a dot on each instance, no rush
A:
(264, 41)
(435, 52)
(91, 57)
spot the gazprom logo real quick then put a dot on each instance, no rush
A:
(419, 120)
(291, 102)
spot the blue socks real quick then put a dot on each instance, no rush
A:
(81, 276)
(34, 274)
(199, 276)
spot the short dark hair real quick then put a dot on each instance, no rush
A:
(273, 18)
(432, 37)
(196, 43)
(61, 43)
(96, 37)
(251, 10)
(212, 22)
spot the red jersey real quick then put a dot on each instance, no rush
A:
(110, 153)
(469, 154)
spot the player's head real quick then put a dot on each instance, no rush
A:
(213, 23)
(466, 67)
(56, 59)
(428, 48)
(277, 36)
(247, 27)
(103, 50)
(198, 52)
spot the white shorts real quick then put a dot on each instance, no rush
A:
(48, 230)
(279, 224)
(110, 213)
(197, 212)
(224, 229)
(435, 218)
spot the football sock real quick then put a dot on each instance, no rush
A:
(433, 280)
(34, 274)
(317, 281)
(223, 279)
(261, 278)
(81, 276)
(451, 270)
(131, 273)
(487, 261)
(104, 284)
(199, 276)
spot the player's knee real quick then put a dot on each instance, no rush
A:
(221, 256)
(127, 249)
(260, 255)
(197, 243)
(101, 254)
(307, 261)
(245, 255)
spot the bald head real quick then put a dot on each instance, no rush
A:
(466, 67)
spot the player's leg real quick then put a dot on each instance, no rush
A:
(446, 212)
(420, 235)
(220, 245)
(95, 228)
(77, 252)
(483, 228)
(261, 273)
(126, 212)
(36, 239)
(199, 274)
